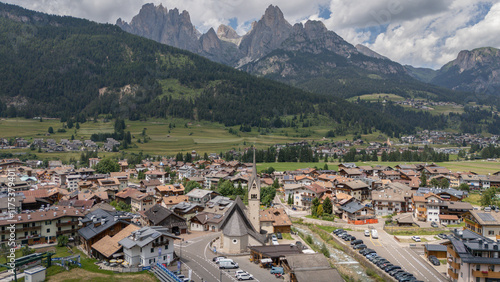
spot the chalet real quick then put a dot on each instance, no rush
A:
(171, 201)
(187, 209)
(99, 223)
(161, 216)
(485, 223)
(148, 246)
(206, 221)
(149, 186)
(186, 172)
(275, 220)
(390, 174)
(200, 196)
(156, 175)
(353, 173)
(391, 201)
(355, 188)
(126, 195)
(142, 201)
(354, 212)
(108, 247)
(169, 190)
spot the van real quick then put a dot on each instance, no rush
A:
(374, 234)
(227, 263)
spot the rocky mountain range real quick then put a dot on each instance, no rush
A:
(312, 57)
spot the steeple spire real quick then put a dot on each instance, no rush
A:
(254, 167)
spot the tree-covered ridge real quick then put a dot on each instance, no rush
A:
(66, 67)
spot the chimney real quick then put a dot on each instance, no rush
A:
(19, 217)
(29, 216)
(64, 211)
(55, 214)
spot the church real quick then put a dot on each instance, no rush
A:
(241, 225)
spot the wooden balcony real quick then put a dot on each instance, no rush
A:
(452, 252)
(452, 274)
(66, 223)
(485, 274)
(62, 232)
(454, 264)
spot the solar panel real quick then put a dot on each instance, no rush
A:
(486, 217)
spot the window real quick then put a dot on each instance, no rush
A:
(48, 230)
(254, 196)
(491, 232)
(491, 268)
(152, 250)
(478, 267)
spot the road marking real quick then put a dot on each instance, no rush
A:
(376, 240)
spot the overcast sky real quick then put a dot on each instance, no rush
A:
(423, 33)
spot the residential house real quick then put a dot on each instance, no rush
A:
(149, 186)
(206, 221)
(356, 188)
(148, 246)
(40, 226)
(156, 174)
(186, 171)
(353, 173)
(142, 201)
(108, 247)
(472, 257)
(426, 207)
(169, 190)
(171, 201)
(390, 201)
(200, 196)
(354, 212)
(485, 223)
(275, 220)
(99, 223)
(161, 216)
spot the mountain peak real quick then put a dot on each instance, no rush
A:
(272, 14)
(369, 52)
(227, 33)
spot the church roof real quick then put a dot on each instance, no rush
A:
(236, 223)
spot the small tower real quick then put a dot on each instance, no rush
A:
(254, 197)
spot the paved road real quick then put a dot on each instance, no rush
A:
(197, 256)
(387, 247)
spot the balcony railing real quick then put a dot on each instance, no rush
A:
(452, 274)
(486, 273)
(66, 231)
(66, 223)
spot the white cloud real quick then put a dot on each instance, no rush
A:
(422, 33)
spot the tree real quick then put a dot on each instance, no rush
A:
(107, 165)
(62, 241)
(319, 211)
(267, 195)
(315, 204)
(434, 182)
(290, 199)
(141, 175)
(327, 206)
(276, 183)
(488, 196)
(77, 126)
(239, 190)
(226, 188)
(444, 183)
(423, 180)
(51, 130)
(464, 187)
(205, 156)
(325, 167)
(191, 185)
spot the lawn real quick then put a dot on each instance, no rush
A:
(379, 97)
(473, 199)
(286, 236)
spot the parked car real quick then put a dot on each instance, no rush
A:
(279, 235)
(368, 251)
(227, 263)
(238, 272)
(356, 242)
(442, 236)
(434, 260)
(337, 231)
(374, 234)
(391, 268)
(415, 238)
(367, 233)
(275, 241)
(245, 276)
(434, 224)
(349, 238)
(359, 247)
(277, 270)
(273, 237)
(395, 271)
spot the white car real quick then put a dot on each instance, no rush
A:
(239, 272)
(275, 242)
(245, 276)
(374, 234)
(416, 238)
(367, 233)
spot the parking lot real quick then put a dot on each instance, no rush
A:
(399, 254)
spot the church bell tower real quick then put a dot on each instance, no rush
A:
(254, 197)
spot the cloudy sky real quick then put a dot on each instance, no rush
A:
(424, 33)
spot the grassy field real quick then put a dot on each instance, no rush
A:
(379, 97)
(473, 199)
(170, 136)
